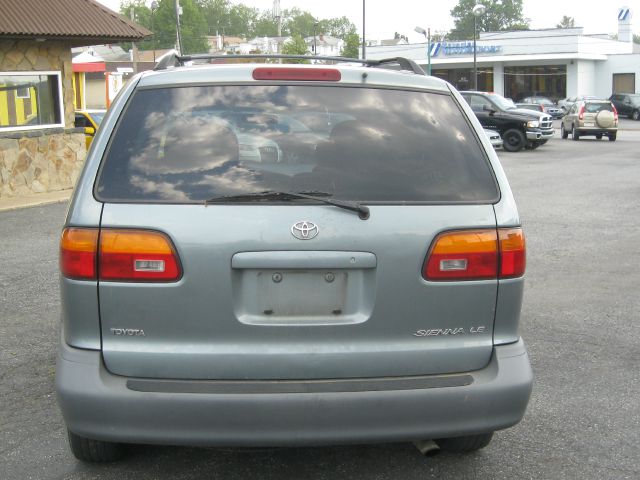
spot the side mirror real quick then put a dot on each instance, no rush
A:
(89, 131)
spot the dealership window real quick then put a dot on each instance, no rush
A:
(30, 100)
(539, 81)
(624, 83)
(462, 78)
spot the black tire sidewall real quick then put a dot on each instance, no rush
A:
(513, 133)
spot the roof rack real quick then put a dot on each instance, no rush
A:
(173, 59)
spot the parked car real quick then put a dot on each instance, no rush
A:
(519, 128)
(568, 102)
(547, 106)
(89, 120)
(369, 292)
(627, 104)
(590, 118)
(536, 107)
(494, 138)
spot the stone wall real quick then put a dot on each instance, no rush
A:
(27, 55)
(43, 161)
(35, 161)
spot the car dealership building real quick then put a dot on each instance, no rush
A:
(557, 63)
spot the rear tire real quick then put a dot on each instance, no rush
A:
(470, 443)
(574, 134)
(598, 136)
(612, 137)
(513, 140)
(94, 451)
(563, 133)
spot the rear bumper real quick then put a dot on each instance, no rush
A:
(596, 130)
(99, 405)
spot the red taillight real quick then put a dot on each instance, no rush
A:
(78, 248)
(301, 74)
(137, 256)
(476, 255)
(581, 113)
(512, 252)
(615, 113)
(463, 255)
(118, 255)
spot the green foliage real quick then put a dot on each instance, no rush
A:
(239, 20)
(295, 46)
(636, 38)
(224, 17)
(500, 15)
(566, 22)
(351, 47)
(337, 27)
(193, 25)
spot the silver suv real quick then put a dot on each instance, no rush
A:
(273, 254)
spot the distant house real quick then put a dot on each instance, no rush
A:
(222, 43)
(324, 45)
(40, 149)
(263, 45)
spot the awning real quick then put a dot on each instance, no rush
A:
(90, 67)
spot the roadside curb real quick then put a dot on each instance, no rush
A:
(38, 199)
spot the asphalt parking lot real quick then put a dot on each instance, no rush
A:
(580, 204)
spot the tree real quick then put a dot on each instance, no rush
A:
(216, 14)
(351, 47)
(566, 22)
(636, 38)
(242, 20)
(298, 22)
(193, 25)
(337, 27)
(193, 28)
(295, 46)
(142, 16)
(500, 15)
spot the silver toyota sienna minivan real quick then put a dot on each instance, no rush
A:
(269, 254)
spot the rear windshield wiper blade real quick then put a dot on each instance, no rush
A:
(361, 210)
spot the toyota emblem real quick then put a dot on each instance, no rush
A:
(305, 230)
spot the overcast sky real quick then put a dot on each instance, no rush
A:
(384, 17)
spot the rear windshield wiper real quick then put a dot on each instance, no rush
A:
(361, 210)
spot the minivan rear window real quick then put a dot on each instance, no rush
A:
(189, 144)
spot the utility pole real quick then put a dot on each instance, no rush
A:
(134, 47)
(277, 16)
(178, 36)
(364, 36)
(428, 51)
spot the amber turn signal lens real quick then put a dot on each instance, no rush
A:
(137, 256)
(78, 248)
(463, 255)
(476, 255)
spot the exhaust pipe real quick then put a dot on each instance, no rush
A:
(428, 448)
